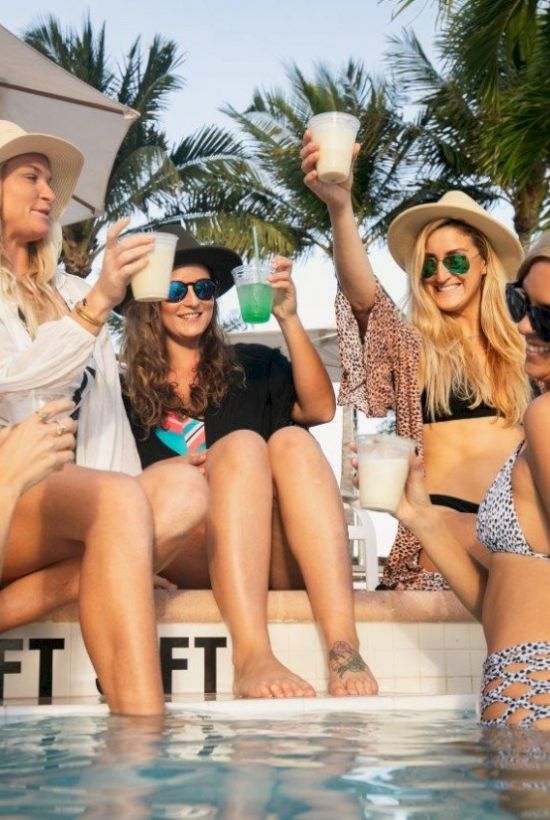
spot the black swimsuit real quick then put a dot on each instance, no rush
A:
(458, 409)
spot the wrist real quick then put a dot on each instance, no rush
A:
(97, 305)
(340, 210)
(425, 522)
(9, 495)
(288, 323)
(82, 311)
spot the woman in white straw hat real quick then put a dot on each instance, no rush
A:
(86, 533)
(510, 593)
(453, 372)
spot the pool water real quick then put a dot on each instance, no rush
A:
(335, 765)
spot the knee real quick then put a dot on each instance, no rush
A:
(237, 450)
(122, 496)
(291, 443)
(178, 495)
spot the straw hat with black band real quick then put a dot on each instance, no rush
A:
(540, 252)
(65, 159)
(220, 261)
(405, 228)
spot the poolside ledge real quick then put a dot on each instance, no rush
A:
(199, 606)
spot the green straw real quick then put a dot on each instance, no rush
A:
(255, 242)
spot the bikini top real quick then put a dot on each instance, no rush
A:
(497, 522)
(459, 409)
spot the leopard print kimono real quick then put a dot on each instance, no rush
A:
(378, 375)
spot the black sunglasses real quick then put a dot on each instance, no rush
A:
(204, 289)
(456, 263)
(520, 306)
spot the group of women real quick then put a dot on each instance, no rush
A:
(203, 468)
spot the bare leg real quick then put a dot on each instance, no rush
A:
(31, 597)
(239, 546)
(315, 529)
(109, 513)
(178, 495)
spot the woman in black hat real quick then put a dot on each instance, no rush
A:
(275, 517)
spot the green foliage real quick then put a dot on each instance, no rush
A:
(487, 114)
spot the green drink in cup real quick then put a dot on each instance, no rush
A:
(254, 291)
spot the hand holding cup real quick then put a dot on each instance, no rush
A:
(124, 258)
(284, 291)
(333, 193)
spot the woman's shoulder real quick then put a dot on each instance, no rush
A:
(537, 417)
(251, 353)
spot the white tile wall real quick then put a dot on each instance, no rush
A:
(413, 658)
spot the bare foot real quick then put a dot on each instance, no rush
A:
(264, 677)
(348, 672)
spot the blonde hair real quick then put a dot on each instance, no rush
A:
(33, 294)
(448, 366)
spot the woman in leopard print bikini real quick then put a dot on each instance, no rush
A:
(452, 371)
(509, 593)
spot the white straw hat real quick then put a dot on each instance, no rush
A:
(405, 228)
(65, 159)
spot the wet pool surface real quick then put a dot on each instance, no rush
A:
(330, 765)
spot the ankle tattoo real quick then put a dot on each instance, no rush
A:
(344, 658)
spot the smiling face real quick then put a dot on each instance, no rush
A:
(536, 286)
(454, 293)
(27, 198)
(185, 322)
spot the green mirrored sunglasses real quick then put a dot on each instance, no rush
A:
(456, 263)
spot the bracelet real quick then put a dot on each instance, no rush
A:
(86, 316)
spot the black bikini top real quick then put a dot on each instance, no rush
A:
(459, 409)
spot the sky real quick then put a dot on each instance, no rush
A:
(232, 47)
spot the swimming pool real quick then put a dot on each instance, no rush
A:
(256, 760)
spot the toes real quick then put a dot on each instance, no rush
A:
(277, 690)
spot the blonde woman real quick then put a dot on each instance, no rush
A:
(452, 371)
(91, 534)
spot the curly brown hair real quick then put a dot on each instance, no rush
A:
(147, 385)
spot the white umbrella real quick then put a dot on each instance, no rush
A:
(40, 96)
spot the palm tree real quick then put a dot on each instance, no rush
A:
(261, 186)
(494, 96)
(504, 59)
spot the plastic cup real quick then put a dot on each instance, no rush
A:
(153, 282)
(254, 292)
(383, 469)
(16, 407)
(334, 133)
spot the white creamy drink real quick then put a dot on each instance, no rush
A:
(381, 482)
(152, 283)
(383, 470)
(335, 133)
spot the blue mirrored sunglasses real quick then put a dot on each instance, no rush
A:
(203, 289)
